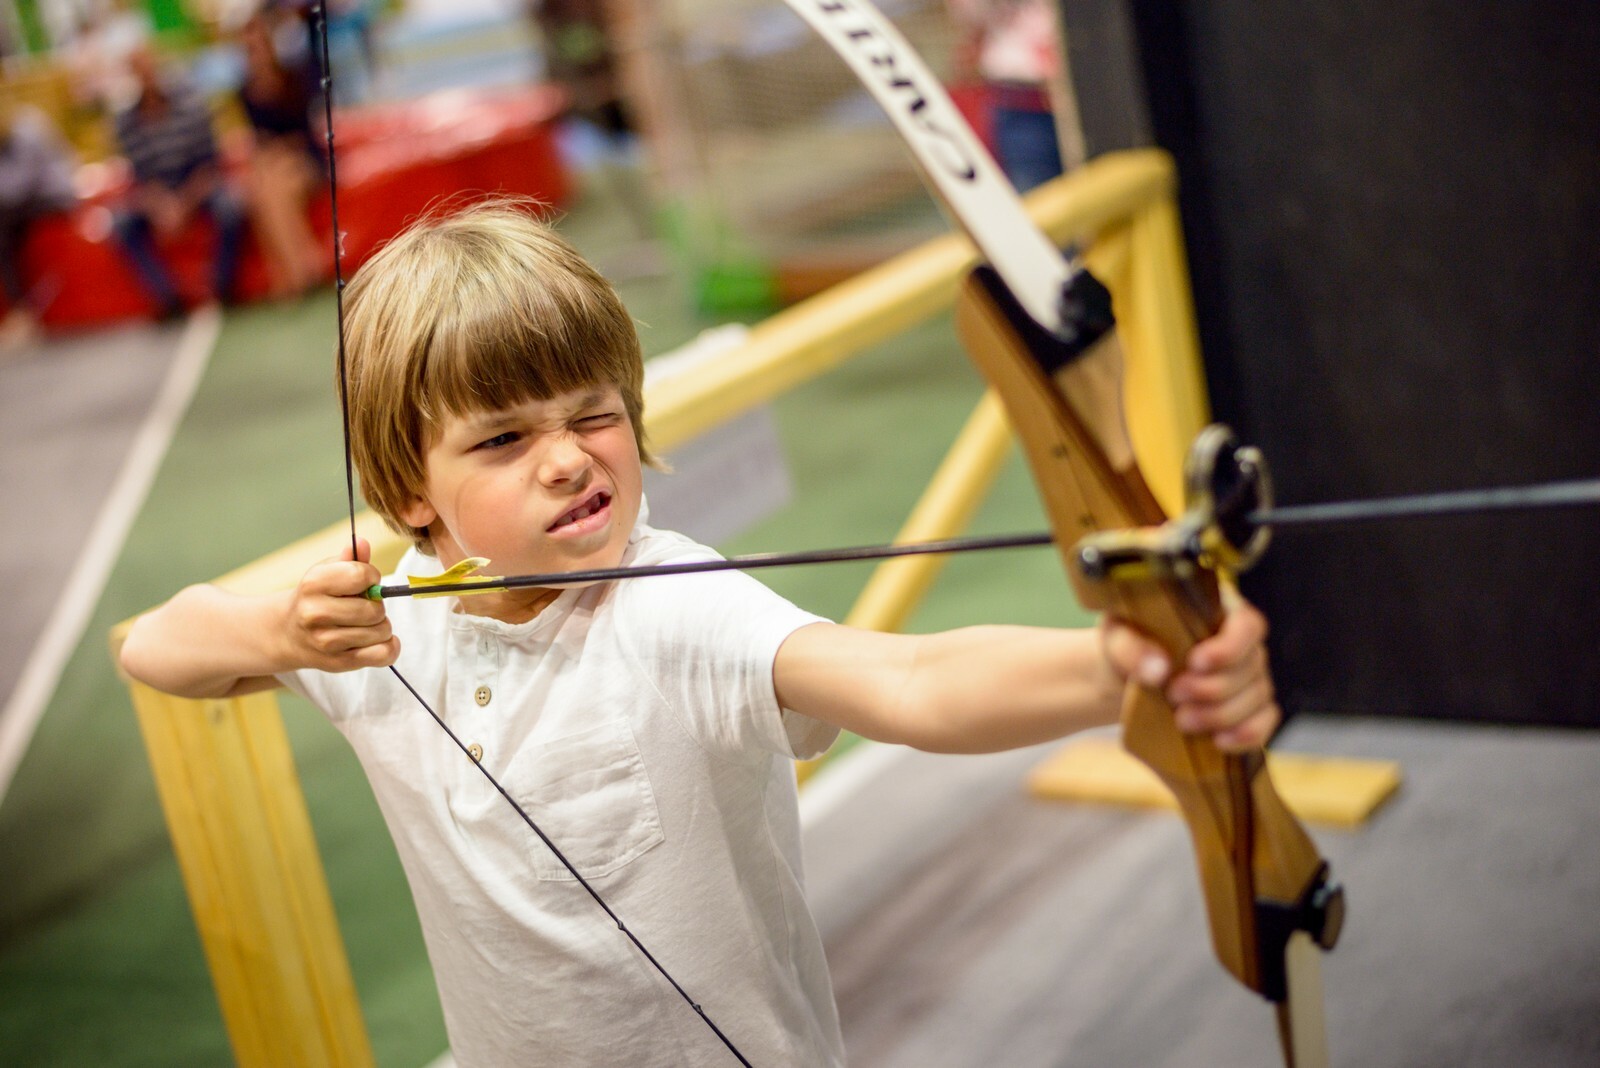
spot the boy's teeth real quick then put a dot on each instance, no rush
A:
(583, 511)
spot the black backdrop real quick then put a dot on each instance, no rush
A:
(1393, 217)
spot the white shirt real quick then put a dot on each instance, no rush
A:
(637, 724)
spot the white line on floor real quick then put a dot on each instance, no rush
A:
(80, 595)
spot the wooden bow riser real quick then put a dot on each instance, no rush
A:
(1248, 847)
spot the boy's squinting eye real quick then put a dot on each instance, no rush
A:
(497, 441)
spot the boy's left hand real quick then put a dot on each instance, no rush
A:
(1224, 689)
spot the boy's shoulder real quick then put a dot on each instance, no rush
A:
(653, 546)
(711, 601)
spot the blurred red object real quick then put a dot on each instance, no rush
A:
(394, 161)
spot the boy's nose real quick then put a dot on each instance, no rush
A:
(564, 461)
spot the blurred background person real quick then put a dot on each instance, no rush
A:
(578, 49)
(97, 56)
(352, 45)
(1013, 48)
(167, 138)
(579, 56)
(285, 166)
(35, 180)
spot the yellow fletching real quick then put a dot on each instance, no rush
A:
(465, 571)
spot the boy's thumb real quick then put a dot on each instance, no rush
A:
(1134, 656)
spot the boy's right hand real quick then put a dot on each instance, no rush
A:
(331, 625)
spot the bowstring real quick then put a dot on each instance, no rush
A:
(320, 15)
(320, 20)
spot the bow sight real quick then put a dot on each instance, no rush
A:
(1227, 492)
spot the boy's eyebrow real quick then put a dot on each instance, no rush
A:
(594, 395)
(489, 420)
(477, 421)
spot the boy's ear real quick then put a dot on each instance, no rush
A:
(418, 514)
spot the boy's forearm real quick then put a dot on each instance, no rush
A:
(973, 690)
(205, 642)
(984, 689)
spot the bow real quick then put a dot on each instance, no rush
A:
(1040, 329)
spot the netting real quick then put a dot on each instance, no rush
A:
(779, 169)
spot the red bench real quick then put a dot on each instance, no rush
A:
(394, 160)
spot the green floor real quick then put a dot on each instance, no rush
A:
(99, 963)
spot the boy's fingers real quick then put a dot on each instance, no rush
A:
(329, 611)
(1243, 628)
(1227, 709)
(342, 578)
(1245, 720)
(348, 641)
(1222, 680)
(381, 655)
(368, 656)
(363, 550)
(1252, 733)
(1225, 688)
(354, 612)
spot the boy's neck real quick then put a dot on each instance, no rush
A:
(509, 606)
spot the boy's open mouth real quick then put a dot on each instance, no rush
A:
(588, 508)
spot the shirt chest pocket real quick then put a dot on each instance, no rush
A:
(589, 792)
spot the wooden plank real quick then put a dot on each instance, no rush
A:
(249, 861)
(1339, 791)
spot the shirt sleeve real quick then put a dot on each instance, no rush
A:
(708, 643)
(333, 694)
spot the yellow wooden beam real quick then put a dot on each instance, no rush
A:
(1338, 791)
(1165, 383)
(244, 843)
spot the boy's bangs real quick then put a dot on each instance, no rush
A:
(508, 355)
(462, 380)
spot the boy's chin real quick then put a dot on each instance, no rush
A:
(601, 557)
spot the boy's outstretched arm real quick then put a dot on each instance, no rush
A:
(982, 689)
(206, 642)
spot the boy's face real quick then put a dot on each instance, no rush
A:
(540, 486)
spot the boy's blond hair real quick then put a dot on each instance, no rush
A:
(473, 310)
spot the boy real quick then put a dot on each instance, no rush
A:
(649, 727)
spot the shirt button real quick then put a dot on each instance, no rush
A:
(482, 695)
(475, 751)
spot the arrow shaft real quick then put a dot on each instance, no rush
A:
(753, 562)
